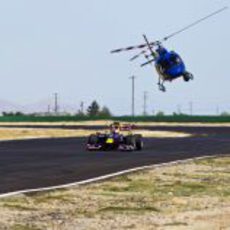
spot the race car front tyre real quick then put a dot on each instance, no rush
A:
(93, 139)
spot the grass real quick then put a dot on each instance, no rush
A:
(161, 197)
(24, 227)
(221, 162)
(131, 186)
(180, 187)
(165, 118)
(177, 224)
(48, 197)
(139, 210)
(20, 207)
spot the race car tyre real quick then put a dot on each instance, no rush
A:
(93, 139)
(131, 140)
(139, 142)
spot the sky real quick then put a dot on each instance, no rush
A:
(50, 46)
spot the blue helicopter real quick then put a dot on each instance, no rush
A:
(169, 65)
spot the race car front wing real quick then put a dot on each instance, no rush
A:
(121, 147)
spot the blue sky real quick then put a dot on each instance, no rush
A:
(49, 46)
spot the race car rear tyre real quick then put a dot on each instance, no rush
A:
(139, 142)
(130, 140)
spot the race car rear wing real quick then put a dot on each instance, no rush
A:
(128, 127)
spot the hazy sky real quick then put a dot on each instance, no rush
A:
(49, 46)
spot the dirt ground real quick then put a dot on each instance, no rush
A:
(194, 196)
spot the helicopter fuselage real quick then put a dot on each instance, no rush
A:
(169, 65)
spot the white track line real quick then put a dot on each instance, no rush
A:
(108, 176)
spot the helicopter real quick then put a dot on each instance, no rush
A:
(168, 64)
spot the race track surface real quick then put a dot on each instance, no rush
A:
(48, 162)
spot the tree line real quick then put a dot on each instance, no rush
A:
(93, 110)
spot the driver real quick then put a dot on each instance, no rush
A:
(115, 128)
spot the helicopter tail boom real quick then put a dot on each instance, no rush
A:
(194, 23)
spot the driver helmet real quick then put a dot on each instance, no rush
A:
(115, 127)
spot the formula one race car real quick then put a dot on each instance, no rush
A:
(114, 140)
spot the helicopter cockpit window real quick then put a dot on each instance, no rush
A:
(175, 59)
(165, 64)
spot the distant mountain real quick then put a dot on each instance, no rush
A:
(48, 105)
(6, 106)
(42, 106)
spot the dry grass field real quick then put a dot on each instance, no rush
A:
(28, 133)
(194, 196)
(108, 122)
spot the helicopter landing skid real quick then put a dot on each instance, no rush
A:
(161, 86)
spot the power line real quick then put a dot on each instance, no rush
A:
(56, 107)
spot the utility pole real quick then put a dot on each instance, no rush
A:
(56, 103)
(82, 107)
(145, 103)
(217, 110)
(191, 108)
(48, 111)
(179, 109)
(133, 95)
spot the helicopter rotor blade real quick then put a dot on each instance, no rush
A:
(148, 56)
(194, 23)
(147, 63)
(150, 46)
(142, 46)
(138, 55)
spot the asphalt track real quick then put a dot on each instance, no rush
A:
(32, 164)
